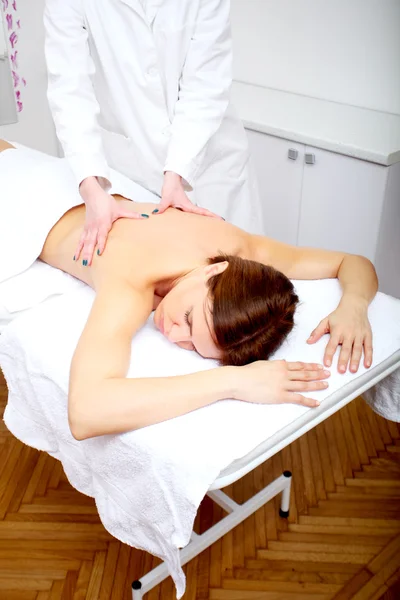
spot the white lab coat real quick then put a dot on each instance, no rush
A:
(143, 86)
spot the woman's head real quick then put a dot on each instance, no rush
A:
(253, 307)
(232, 309)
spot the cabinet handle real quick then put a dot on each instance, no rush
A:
(309, 158)
(293, 154)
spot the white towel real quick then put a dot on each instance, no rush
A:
(149, 483)
(384, 398)
(34, 285)
(35, 191)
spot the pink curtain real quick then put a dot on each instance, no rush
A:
(13, 25)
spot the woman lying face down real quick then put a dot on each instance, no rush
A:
(234, 310)
(237, 307)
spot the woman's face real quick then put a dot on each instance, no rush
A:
(184, 314)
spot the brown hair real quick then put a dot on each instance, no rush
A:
(253, 309)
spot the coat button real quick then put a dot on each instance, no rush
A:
(152, 72)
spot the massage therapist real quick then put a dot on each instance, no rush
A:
(143, 86)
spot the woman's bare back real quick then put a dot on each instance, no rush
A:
(154, 250)
(158, 248)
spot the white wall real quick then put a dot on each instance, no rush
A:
(342, 50)
(35, 125)
(347, 51)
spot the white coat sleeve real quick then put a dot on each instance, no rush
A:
(203, 91)
(70, 91)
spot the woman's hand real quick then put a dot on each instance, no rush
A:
(349, 327)
(280, 382)
(173, 195)
(101, 212)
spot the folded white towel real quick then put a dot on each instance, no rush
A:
(149, 483)
(35, 191)
(384, 398)
(34, 285)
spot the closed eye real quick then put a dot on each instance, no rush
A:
(187, 313)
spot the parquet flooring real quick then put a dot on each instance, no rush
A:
(341, 541)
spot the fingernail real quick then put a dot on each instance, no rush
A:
(327, 373)
(320, 366)
(325, 383)
(155, 211)
(317, 403)
(144, 215)
(74, 258)
(84, 262)
(342, 369)
(328, 362)
(367, 364)
(98, 252)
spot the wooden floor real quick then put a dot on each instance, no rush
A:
(341, 541)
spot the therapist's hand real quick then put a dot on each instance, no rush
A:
(173, 195)
(349, 327)
(102, 210)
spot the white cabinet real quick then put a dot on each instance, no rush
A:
(328, 200)
(387, 258)
(279, 180)
(341, 203)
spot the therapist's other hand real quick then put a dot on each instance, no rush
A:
(173, 195)
(280, 382)
(349, 327)
(102, 210)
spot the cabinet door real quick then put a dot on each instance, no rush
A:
(279, 180)
(341, 203)
(388, 250)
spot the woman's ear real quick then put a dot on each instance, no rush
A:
(215, 269)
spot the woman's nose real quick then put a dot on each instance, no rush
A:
(178, 335)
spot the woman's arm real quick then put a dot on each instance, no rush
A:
(348, 325)
(356, 274)
(102, 401)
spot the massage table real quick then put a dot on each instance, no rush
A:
(40, 370)
(148, 484)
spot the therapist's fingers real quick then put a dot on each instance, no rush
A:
(162, 207)
(80, 245)
(197, 210)
(185, 205)
(88, 248)
(102, 240)
(129, 214)
(205, 213)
